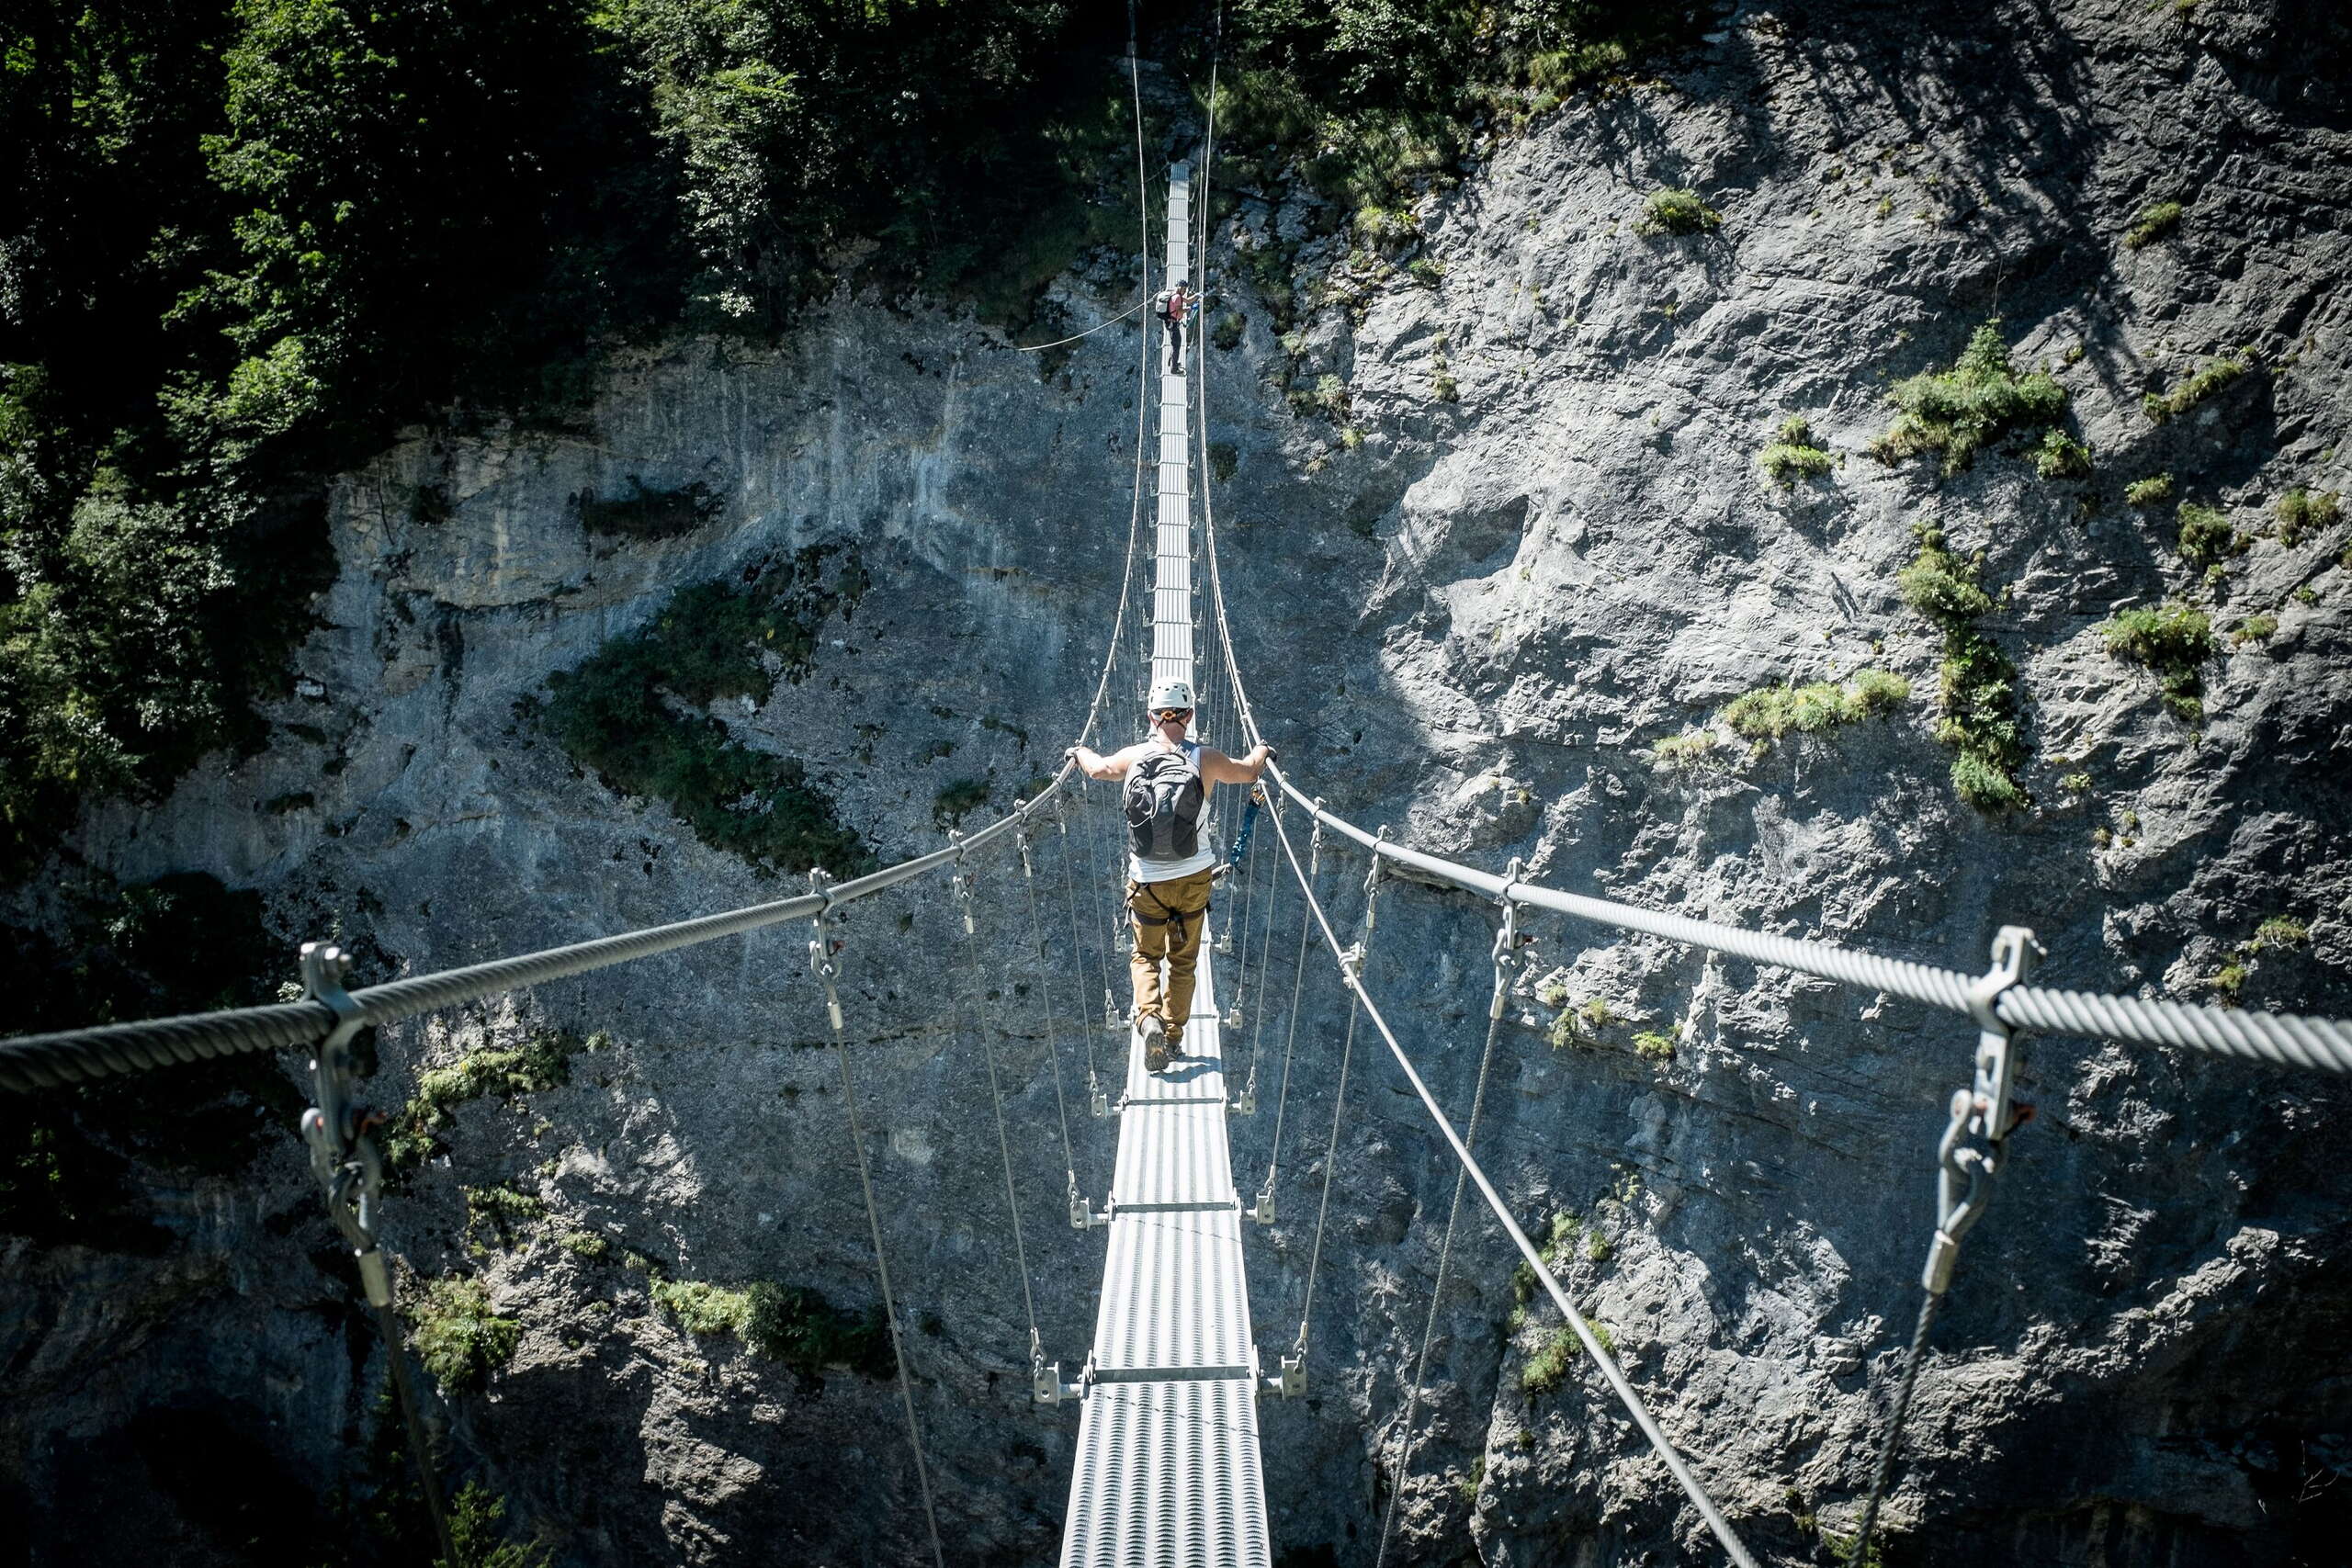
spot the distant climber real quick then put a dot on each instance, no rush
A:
(1170, 860)
(1173, 306)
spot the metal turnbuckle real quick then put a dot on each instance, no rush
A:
(1987, 1111)
(342, 1157)
(1372, 883)
(1315, 842)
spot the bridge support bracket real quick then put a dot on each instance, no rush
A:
(1245, 1103)
(1291, 1382)
(1046, 1386)
(1264, 1212)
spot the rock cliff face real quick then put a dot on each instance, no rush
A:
(1516, 538)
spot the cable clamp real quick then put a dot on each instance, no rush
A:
(1021, 837)
(961, 880)
(1985, 1110)
(824, 947)
(1352, 961)
(1315, 842)
(342, 1157)
(1506, 955)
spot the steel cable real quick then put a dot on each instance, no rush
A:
(881, 1261)
(1046, 999)
(1665, 1450)
(1437, 1291)
(968, 899)
(43, 1061)
(1330, 1162)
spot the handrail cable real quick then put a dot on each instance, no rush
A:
(44, 1061)
(1632, 1401)
(1034, 347)
(2287, 1039)
(823, 949)
(1265, 962)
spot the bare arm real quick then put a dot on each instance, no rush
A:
(1095, 765)
(1218, 768)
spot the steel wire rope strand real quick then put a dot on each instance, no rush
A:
(45, 1061)
(2285, 1039)
(1437, 1291)
(882, 1268)
(1290, 1036)
(1666, 1449)
(1077, 948)
(1331, 1161)
(1034, 347)
(1265, 961)
(996, 1094)
(1046, 1000)
(1892, 1447)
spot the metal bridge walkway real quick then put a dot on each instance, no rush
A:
(1168, 1473)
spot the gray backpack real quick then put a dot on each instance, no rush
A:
(1163, 803)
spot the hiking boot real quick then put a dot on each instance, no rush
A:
(1155, 1055)
(1173, 1042)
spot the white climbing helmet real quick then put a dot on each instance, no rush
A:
(1171, 694)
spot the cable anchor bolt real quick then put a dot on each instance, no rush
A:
(1986, 1111)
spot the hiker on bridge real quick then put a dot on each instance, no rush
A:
(1170, 860)
(1173, 307)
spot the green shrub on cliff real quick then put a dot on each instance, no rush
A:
(1957, 411)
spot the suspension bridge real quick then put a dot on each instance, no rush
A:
(1167, 1471)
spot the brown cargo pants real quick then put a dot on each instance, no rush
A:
(1167, 918)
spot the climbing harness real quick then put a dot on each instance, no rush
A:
(351, 1175)
(1987, 1113)
(824, 951)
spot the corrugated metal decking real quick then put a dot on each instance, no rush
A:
(1168, 1473)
